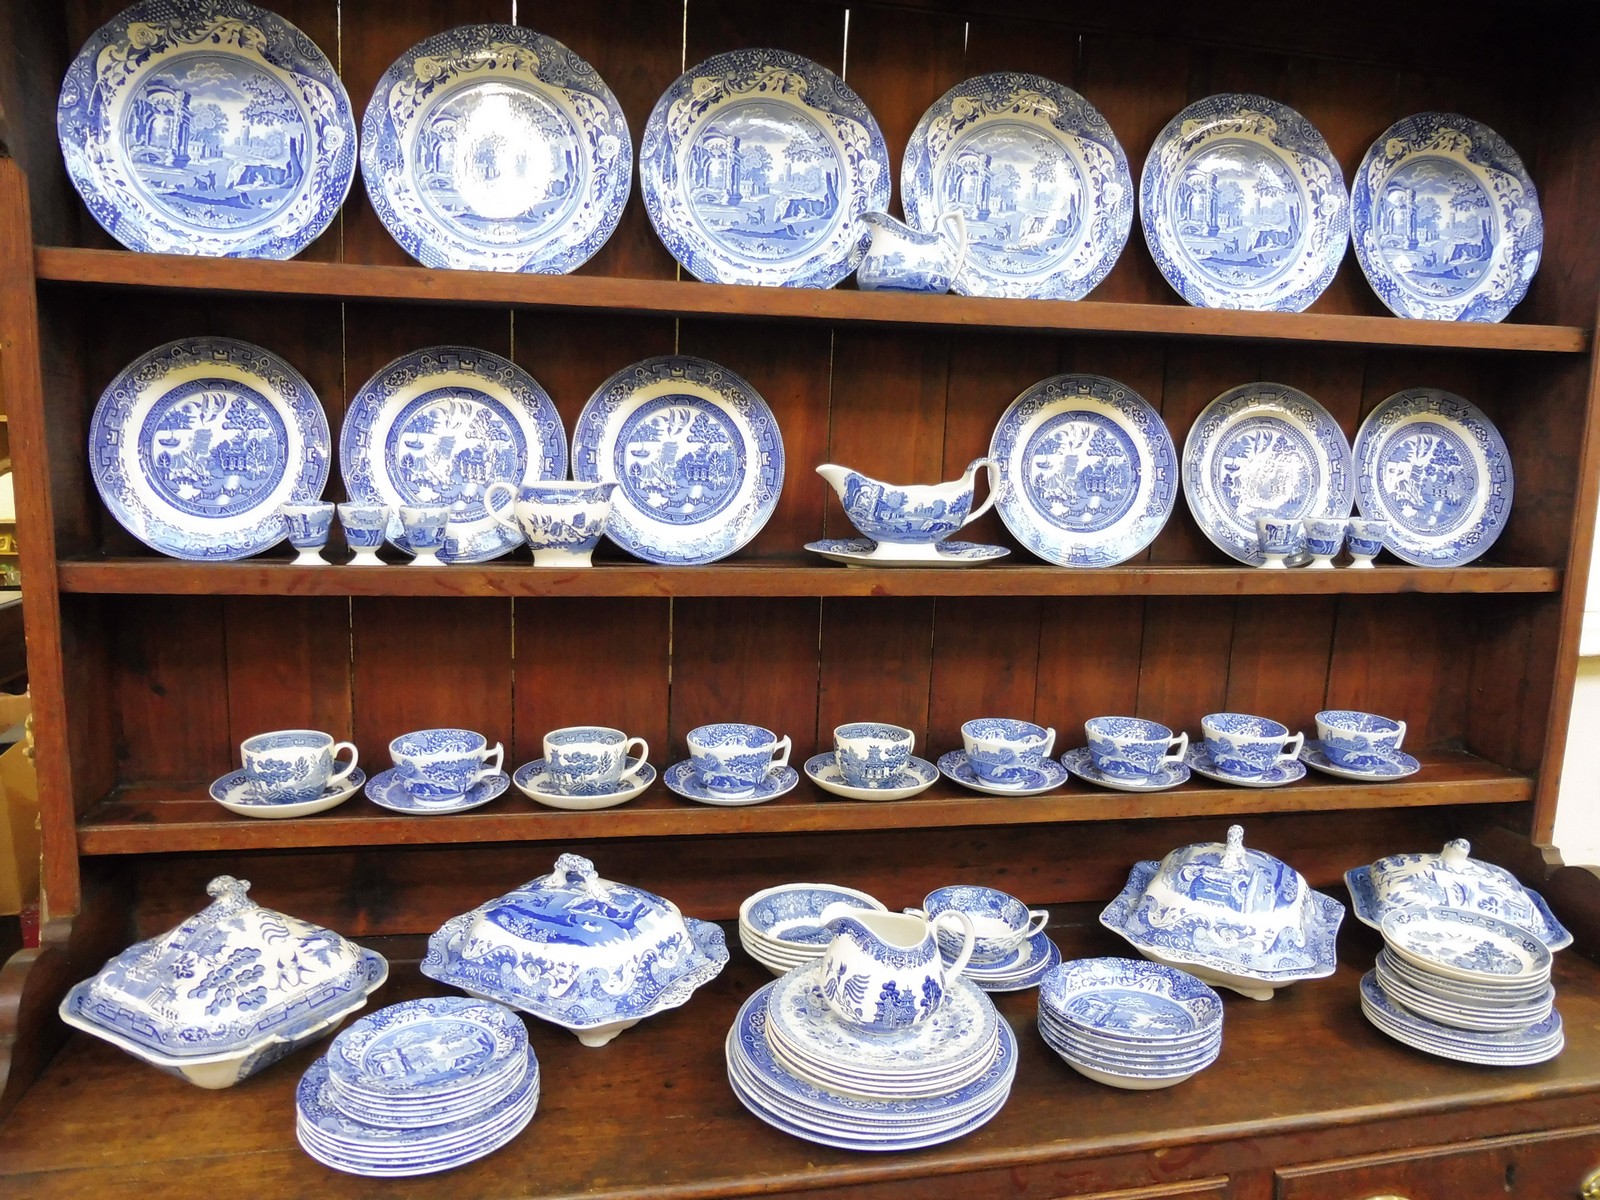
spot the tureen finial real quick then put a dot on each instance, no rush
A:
(576, 870)
(1455, 852)
(1233, 856)
(228, 889)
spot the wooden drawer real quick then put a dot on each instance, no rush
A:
(1544, 1166)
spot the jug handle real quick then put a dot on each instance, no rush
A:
(489, 494)
(956, 223)
(967, 933)
(994, 489)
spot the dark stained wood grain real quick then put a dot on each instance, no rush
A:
(171, 688)
(875, 665)
(288, 664)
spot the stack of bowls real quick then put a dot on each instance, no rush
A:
(1465, 986)
(781, 927)
(1130, 1023)
(419, 1087)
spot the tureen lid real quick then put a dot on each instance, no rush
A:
(233, 976)
(1452, 879)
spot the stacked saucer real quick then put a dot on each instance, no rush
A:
(1018, 971)
(781, 927)
(1130, 1023)
(1465, 986)
(793, 1063)
(419, 1087)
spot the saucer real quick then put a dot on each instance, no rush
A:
(232, 791)
(1023, 970)
(1397, 764)
(1048, 777)
(385, 790)
(1081, 764)
(680, 777)
(918, 776)
(1199, 760)
(534, 783)
(862, 552)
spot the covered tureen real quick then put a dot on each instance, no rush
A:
(230, 990)
(1233, 917)
(1451, 879)
(581, 952)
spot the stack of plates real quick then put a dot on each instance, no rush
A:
(419, 1087)
(1465, 986)
(795, 1065)
(1130, 1023)
(781, 926)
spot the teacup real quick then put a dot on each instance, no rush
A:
(1133, 748)
(424, 526)
(1279, 538)
(1364, 539)
(1004, 751)
(365, 527)
(871, 754)
(1000, 922)
(734, 759)
(308, 526)
(1247, 746)
(591, 760)
(444, 764)
(561, 522)
(1358, 740)
(288, 765)
(1324, 537)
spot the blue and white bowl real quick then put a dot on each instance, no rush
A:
(781, 927)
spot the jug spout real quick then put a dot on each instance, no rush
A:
(838, 477)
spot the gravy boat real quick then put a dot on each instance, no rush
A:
(909, 521)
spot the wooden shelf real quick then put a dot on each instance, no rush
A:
(156, 819)
(776, 577)
(351, 281)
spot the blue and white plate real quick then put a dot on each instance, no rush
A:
(916, 776)
(1462, 992)
(1264, 450)
(495, 148)
(1244, 206)
(682, 779)
(1081, 763)
(1435, 467)
(386, 791)
(533, 781)
(1445, 220)
(1038, 175)
(209, 127)
(1088, 473)
(756, 166)
(196, 444)
(1520, 1047)
(1396, 764)
(428, 1051)
(1199, 761)
(235, 793)
(1466, 947)
(1049, 776)
(1023, 970)
(695, 452)
(860, 552)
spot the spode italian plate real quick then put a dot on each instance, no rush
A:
(1437, 470)
(1046, 777)
(208, 127)
(196, 444)
(1264, 450)
(1244, 206)
(435, 428)
(1445, 220)
(682, 779)
(533, 781)
(1081, 763)
(386, 790)
(236, 792)
(1039, 177)
(1198, 759)
(1088, 472)
(1397, 764)
(695, 452)
(756, 166)
(496, 148)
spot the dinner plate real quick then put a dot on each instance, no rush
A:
(196, 444)
(1088, 474)
(1038, 175)
(1264, 450)
(1437, 470)
(1445, 220)
(197, 127)
(496, 148)
(1244, 206)
(435, 428)
(695, 452)
(756, 166)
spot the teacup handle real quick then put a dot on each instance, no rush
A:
(637, 769)
(956, 223)
(1173, 757)
(780, 754)
(1291, 748)
(339, 777)
(1401, 736)
(967, 933)
(505, 517)
(499, 756)
(1038, 918)
(1049, 742)
(993, 472)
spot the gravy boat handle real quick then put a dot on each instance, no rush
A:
(993, 471)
